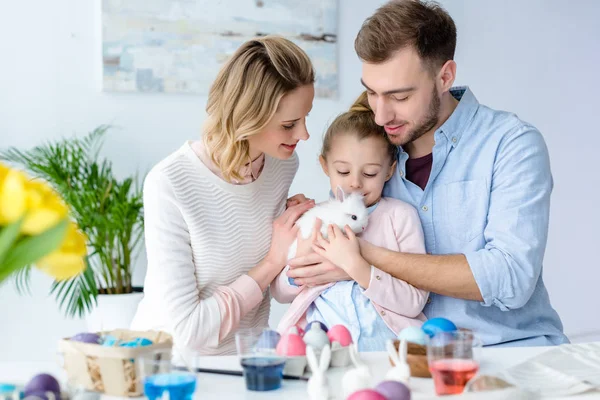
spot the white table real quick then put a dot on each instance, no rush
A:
(222, 387)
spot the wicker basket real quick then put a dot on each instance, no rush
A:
(110, 370)
(416, 358)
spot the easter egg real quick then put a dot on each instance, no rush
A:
(136, 342)
(7, 388)
(310, 324)
(436, 325)
(393, 390)
(86, 337)
(268, 339)
(340, 334)
(366, 394)
(297, 329)
(291, 344)
(316, 337)
(109, 341)
(42, 383)
(413, 334)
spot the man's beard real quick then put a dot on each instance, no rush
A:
(427, 123)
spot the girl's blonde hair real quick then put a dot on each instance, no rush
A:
(245, 96)
(358, 121)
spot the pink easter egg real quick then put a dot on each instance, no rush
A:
(340, 334)
(296, 330)
(291, 345)
(366, 394)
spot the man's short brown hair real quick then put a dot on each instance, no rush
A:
(425, 26)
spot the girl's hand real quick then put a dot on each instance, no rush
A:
(344, 251)
(285, 232)
(296, 199)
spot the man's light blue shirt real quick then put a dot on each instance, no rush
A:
(488, 197)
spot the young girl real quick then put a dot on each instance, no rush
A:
(374, 306)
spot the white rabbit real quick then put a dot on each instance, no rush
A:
(341, 211)
(358, 377)
(400, 371)
(318, 388)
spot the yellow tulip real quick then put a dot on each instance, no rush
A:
(12, 195)
(44, 208)
(69, 259)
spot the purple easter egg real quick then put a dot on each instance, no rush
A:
(436, 325)
(268, 339)
(393, 390)
(86, 337)
(42, 396)
(366, 394)
(42, 383)
(323, 326)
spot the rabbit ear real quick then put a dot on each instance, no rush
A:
(339, 194)
(402, 351)
(312, 358)
(391, 349)
(325, 358)
(354, 355)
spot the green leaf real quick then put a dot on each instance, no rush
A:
(22, 280)
(32, 248)
(76, 296)
(8, 236)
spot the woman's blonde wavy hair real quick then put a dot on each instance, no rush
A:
(359, 120)
(245, 96)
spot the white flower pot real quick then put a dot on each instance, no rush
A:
(114, 311)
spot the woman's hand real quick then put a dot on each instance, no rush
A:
(296, 199)
(285, 232)
(305, 246)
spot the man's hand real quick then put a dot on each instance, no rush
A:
(312, 270)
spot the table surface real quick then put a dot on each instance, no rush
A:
(212, 386)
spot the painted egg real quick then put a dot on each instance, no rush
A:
(413, 334)
(340, 334)
(435, 325)
(42, 383)
(366, 394)
(87, 337)
(316, 337)
(268, 339)
(109, 341)
(310, 324)
(291, 345)
(296, 329)
(136, 342)
(393, 390)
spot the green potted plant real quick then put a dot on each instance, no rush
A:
(108, 211)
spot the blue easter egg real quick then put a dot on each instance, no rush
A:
(436, 325)
(110, 341)
(413, 334)
(268, 339)
(7, 388)
(136, 342)
(323, 327)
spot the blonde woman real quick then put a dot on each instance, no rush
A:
(216, 225)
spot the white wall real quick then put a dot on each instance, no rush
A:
(538, 58)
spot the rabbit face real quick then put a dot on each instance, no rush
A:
(354, 213)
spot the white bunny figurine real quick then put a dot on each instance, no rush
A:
(318, 388)
(341, 211)
(358, 377)
(400, 371)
